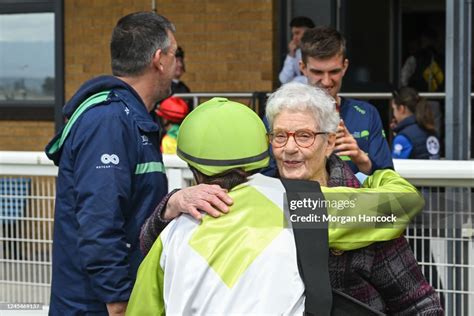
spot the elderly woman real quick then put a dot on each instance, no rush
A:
(245, 262)
(384, 275)
(303, 123)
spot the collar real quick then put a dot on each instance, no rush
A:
(411, 120)
(138, 109)
(341, 105)
(173, 131)
(340, 174)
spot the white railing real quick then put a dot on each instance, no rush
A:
(27, 185)
(445, 173)
(197, 97)
(419, 172)
(35, 163)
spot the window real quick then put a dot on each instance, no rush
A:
(31, 84)
(27, 57)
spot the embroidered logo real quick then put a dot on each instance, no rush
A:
(358, 109)
(361, 134)
(107, 159)
(145, 140)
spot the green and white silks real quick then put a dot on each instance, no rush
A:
(245, 262)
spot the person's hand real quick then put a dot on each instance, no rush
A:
(292, 48)
(117, 308)
(211, 199)
(346, 145)
(393, 123)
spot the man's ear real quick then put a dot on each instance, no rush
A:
(403, 108)
(302, 66)
(331, 143)
(345, 65)
(156, 61)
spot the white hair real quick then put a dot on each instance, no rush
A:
(296, 97)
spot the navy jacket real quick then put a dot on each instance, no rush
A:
(111, 176)
(414, 142)
(363, 121)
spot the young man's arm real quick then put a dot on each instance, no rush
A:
(287, 73)
(379, 150)
(346, 145)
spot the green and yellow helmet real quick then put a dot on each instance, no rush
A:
(220, 135)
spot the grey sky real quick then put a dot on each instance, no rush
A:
(31, 27)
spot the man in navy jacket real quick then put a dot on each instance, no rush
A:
(111, 173)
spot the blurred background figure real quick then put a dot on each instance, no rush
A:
(414, 127)
(291, 66)
(178, 86)
(424, 71)
(171, 112)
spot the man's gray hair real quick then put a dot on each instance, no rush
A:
(135, 39)
(295, 97)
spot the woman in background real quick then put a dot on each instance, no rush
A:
(414, 127)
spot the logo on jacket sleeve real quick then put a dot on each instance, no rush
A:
(398, 149)
(432, 145)
(359, 109)
(108, 161)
